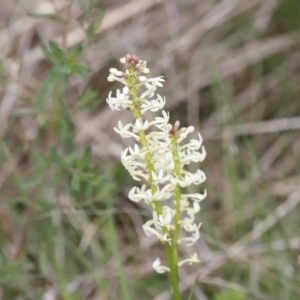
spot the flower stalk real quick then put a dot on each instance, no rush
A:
(158, 159)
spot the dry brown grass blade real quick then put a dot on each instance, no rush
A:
(272, 126)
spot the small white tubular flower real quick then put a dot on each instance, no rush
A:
(191, 260)
(153, 105)
(159, 268)
(158, 159)
(196, 197)
(150, 90)
(166, 217)
(159, 195)
(124, 131)
(163, 237)
(137, 194)
(121, 101)
(137, 152)
(139, 125)
(157, 81)
(160, 178)
(165, 162)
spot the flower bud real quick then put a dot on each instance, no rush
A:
(111, 78)
(142, 78)
(118, 73)
(125, 90)
(113, 70)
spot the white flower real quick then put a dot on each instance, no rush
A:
(165, 218)
(193, 238)
(121, 101)
(192, 259)
(158, 158)
(159, 268)
(159, 178)
(124, 131)
(137, 194)
(153, 105)
(157, 80)
(159, 195)
(151, 231)
(139, 125)
(196, 197)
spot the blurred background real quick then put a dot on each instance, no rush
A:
(232, 70)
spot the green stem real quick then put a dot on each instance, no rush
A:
(177, 206)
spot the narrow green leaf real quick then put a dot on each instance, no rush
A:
(86, 158)
(52, 57)
(80, 70)
(74, 54)
(94, 3)
(53, 16)
(63, 69)
(58, 160)
(193, 287)
(75, 183)
(25, 111)
(48, 87)
(55, 49)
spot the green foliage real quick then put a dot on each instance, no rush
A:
(88, 99)
(54, 16)
(3, 80)
(230, 294)
(95, 18)
(65, 63)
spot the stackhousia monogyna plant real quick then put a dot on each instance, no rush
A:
(158, 160)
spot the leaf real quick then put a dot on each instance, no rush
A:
(51, 81)
(74, 54)
(58, 160)
(63, 69)
(53, 16)
(75, 183)
(230, 294)
(51, 56)
(25, 111)
(48, 87)
(86, 158)
(80, 70)
(55, 49)
(88, 99)
(94, 3)
(193, 287)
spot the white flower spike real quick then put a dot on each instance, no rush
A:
(159, 159)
